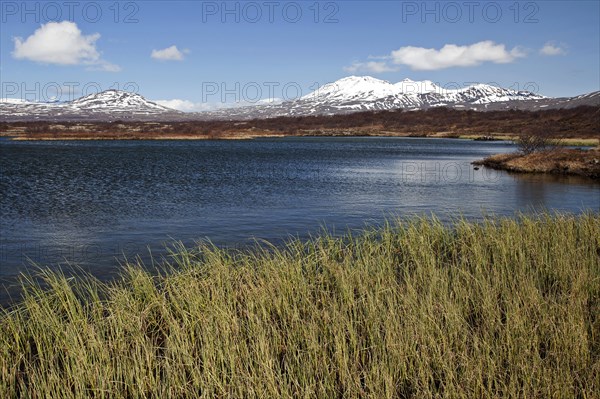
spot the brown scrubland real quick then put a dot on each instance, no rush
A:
(577, 123)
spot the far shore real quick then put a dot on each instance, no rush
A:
(571, 127)
(70, 135)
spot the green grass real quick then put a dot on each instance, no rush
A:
(579, 142)
(566, 142)
(504, 308)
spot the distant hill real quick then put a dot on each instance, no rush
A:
(348, 95)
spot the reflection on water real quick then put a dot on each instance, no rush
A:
(538, 190)
(90, 202)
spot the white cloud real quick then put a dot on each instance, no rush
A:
(371, 66)
(451, 55)
(61, 43)
(184, 105)
(104, 66)
(552, 49)
(190, 106)
(169, 54)
(269, 101)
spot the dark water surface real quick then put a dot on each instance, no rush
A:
(90, 202)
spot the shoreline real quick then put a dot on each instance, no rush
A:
(567, 142)
(576, 126)
(558, 161)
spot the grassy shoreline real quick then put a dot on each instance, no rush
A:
(558, 161)
(566, 142)
(503, 308)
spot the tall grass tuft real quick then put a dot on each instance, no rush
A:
(503, 308)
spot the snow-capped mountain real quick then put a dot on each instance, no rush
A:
(106, 105)
(366, 88)
(353, 88)
(350, 94)
(117, 101)
(367, 93)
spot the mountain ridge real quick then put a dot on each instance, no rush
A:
(108, 104)
(346, 95)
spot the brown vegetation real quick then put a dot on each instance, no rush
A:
(531, 142)
(556, 161)
(581, 122)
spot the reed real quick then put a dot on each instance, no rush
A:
(414, 308)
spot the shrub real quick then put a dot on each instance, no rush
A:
(533, 142)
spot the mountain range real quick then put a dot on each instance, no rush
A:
(106, 105)
(350, 94)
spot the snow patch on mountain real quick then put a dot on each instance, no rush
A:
(368, 93)
(408, 86)
(353, 88)
(350, 94)
(108, 104)
(116, 100)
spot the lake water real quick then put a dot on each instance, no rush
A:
(91, 202)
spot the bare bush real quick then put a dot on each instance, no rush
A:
(535, 141)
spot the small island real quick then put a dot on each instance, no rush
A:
(561, 161)
(539, 153)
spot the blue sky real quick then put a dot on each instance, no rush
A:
(200, 54)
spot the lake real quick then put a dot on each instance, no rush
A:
(91, 202)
